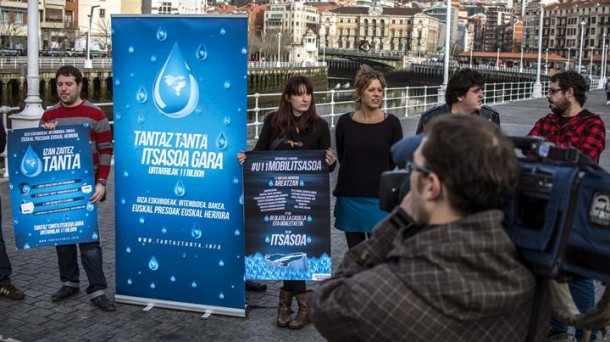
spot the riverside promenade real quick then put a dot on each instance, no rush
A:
(35, 271)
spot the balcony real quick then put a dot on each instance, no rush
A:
(55, 3)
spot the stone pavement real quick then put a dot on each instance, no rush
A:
(35, 271)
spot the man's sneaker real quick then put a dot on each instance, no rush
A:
(103, 303)
(11, 292)
(64, 292)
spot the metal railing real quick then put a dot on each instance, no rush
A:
(400, 101)
(271, 64)
(21, 62)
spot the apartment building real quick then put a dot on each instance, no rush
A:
(292, 19)
(563, 26)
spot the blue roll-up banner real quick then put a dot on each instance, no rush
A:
(180, 91)
(51, 179)
(287, 205)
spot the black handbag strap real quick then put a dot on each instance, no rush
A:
(276, 143)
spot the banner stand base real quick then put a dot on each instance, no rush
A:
(205, 309)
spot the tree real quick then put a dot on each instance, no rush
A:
(102, 36)
(10, 29)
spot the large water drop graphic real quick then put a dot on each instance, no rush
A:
(141, 95)
(161, 33)
(31, 165)
(201, 53)
(94, 236)
(176, 92)
(129, 281)
(196, 231)
(172, 279)
(153, 264)
(179, 189)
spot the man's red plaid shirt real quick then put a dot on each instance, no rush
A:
(585, 131)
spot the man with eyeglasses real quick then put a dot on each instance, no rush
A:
(440, 267)
(464, 95)
(570, 125)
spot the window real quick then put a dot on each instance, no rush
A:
(68, 18)
(102, 13)
(165, 8)
(53, 15)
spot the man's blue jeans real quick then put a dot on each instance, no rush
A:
(91, 258)
(583, 292)
(5, 264)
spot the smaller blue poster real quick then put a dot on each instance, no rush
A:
(51, 179)
(287, 210)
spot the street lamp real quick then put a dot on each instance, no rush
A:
(546, 62)
(279, 44)
(32, 111)
(521, 61)
(498, 59)
(568, 62)
(537, 91)
(441, 93)
(471, 48)
(88, 63)
(591, 62)
(602, 65)
(326, 28)
(582, 37)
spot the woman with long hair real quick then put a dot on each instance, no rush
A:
(295, 126)
(363, 138)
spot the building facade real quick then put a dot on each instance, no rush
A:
(563, 26)
(13, 28)
(399, 30)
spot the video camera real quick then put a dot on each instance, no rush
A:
(558, 217)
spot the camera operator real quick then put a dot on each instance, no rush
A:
(464, 95)
(440, 267)
(570, 125)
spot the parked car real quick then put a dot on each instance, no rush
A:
(75, 53)
(98, 53)
(11, 52)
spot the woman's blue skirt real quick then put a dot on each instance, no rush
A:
(357, 214)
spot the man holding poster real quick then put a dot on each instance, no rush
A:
(73, 110)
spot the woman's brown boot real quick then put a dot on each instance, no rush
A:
(303, 314)
(283, 309)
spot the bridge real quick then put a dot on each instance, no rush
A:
(384, 59)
